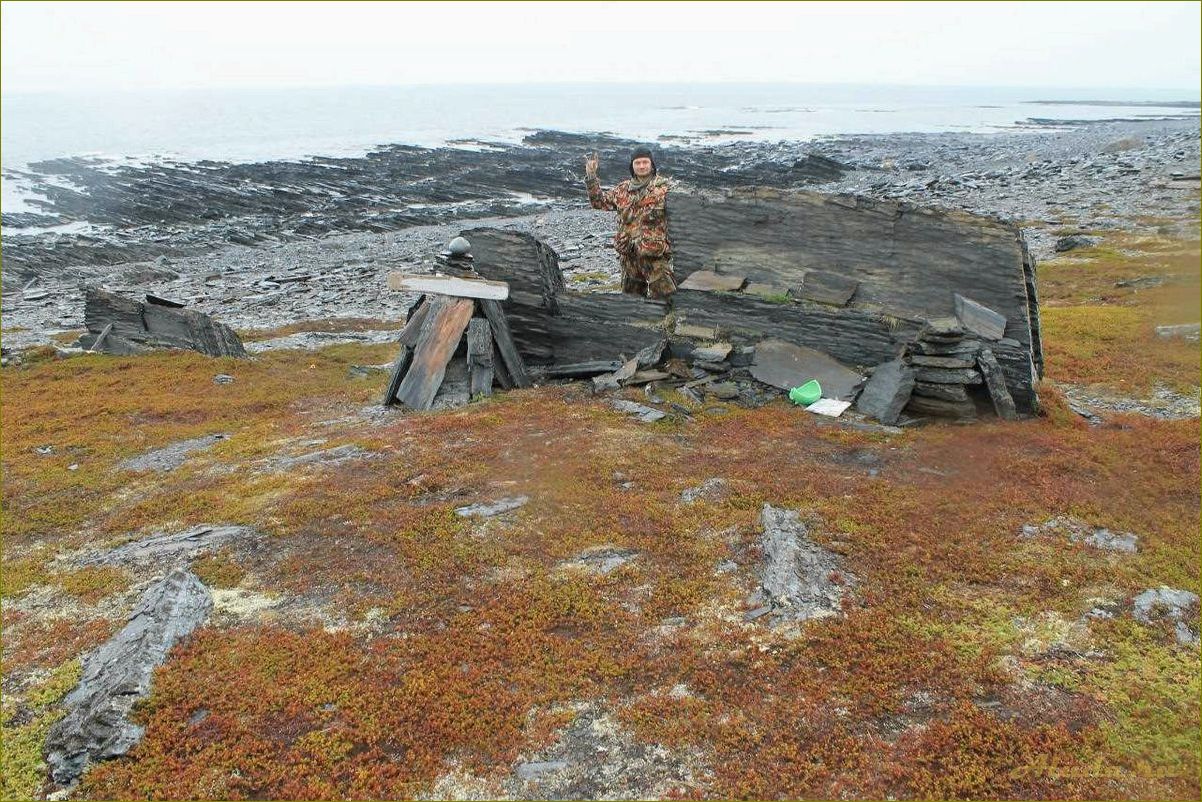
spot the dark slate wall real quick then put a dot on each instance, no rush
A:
(910, 262)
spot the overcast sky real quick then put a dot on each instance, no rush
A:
(100, 45)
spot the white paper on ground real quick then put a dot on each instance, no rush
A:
(831, 407)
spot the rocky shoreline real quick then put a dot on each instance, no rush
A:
(266, 245)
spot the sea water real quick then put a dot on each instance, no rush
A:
(261, 124)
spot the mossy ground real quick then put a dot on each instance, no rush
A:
(963, 667)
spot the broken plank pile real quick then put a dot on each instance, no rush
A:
(950, 368)
(455, 345)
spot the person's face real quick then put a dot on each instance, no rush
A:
(642, 167)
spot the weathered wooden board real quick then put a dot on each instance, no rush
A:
(449, 285)
(440, 335)
(515, 366)
(580, 370)
(479, 357)
(417, 317)
(396, 374)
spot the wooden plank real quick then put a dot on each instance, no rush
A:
(100, 337)
(440, 335)
(453, 392)
(417, 316)
(398, 372)
(580, 370)
(498, 368)
(449, 285)
(504, 339)
(479, 357)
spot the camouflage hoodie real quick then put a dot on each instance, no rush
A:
(642, 219)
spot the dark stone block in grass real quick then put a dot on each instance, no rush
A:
(118, 674)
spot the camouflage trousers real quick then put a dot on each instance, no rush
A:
(648, 276)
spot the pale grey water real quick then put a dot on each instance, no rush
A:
(257, 125)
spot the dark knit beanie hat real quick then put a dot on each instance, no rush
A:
(642, 153)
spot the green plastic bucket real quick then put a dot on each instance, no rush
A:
(806, 394)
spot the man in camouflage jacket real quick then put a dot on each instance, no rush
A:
(642, 238)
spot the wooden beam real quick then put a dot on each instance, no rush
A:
(440, 335)
(398, 372)
(449, 285)
(479, 357)
(100, 337)
(504, 339)
(417, 316)
(498, 368)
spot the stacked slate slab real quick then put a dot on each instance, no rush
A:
(119, 325)
(955, 374)
(856, 277)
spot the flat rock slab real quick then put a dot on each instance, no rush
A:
(315, 340)
(949, 376)
(797, 576)
(979, 318)
(1178, 606)
(887, 392)
(713, 489)
(765, 290)
(1077, 531)
(118, 674)
(326, 456)
(968, 360)
(921, 406)
(602, 559)
(491, 508)
(171, 548)
(713, 282)
(825, 287)
(942, 392)
(168, 458)
(936, 348)
(1190, 332)
(644, 414)
(717, 352)
(595, 757)
(785, 365)
(696, 332)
